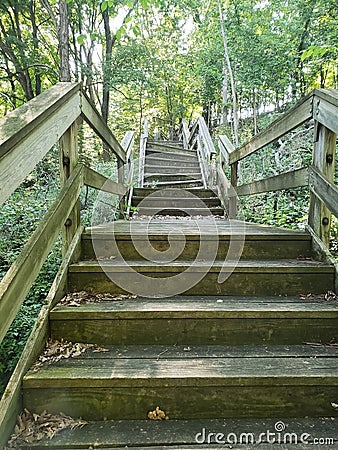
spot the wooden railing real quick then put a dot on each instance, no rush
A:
(26, 135)
(199, 137)
(142, 154)
(321, 106)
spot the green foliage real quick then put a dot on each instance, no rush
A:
(19, 217)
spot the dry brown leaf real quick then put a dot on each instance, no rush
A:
(56, 350)
(329, 296)
(82, 297)
(33, 428)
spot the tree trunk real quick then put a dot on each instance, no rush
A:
(229, 68)
(63, 36)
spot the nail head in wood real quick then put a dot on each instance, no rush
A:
(325, 221)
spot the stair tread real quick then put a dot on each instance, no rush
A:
(198, 306)
(234, 370)
(181, 434)
(267, 266)
(191, 228)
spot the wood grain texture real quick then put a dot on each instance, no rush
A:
(286, 123)
(22, 158)
(288, 180)
(93, 118)
(171, 434)
(96, 180)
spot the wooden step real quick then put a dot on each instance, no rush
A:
(172, 177)
(234, 383)
(130, 240)
(165, 161)
(183, 155)
(168, 142)
(191, 434)
(168, 192)
(188, 184)
(246, 277)
(179, 211)
(198, 320)
(164, 147)
(184, 169)
(176, 202)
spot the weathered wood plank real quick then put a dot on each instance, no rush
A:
(326, 112)
(323, 160)
(185, 134)
(188, 435)
(286, 123)
(19, 278)
(226, 147)
(142, 154)
(84, 372)
(11, 402)
(68, 161)
(21, 159)
(187, 402)
(127, 144)
(326, 191)
(93, 118)
(287, 180)
(205, 135)
(22, 121)
(96, 180)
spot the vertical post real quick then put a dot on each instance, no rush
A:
(232, 191)
(68, 161)
(323, 160)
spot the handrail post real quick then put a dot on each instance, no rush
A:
(68, 160)
(323, 159)
(143, 145)
(234, 183)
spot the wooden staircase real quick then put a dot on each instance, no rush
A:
(234, 340)
(225, 326)
(173, 183)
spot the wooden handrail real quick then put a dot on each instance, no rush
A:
(95, 121)
(283, 125)
(30, 140)
(321, 105)
(29, 132)
(18, 280)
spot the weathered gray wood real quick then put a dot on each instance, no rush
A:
(68, 161)
(324, 154)
(326, 114)
(11, 402)
(205, 136)
(223, 186)
(127, 144)
(96, 180)
(93, 118)
(19, 278)
(21, 158)
(247, 278)
(286, 123)
(233, 198)
(288, 180)
(17, 124)
(142, 154)
(182, 434)
(225, 147)
(327, 192)
(185, 134)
